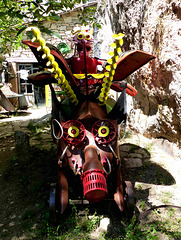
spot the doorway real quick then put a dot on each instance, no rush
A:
(31, 94)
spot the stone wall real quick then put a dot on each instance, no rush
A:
(154, 27)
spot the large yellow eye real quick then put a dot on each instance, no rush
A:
(103, 131)
(80, 36)
(88, 37)
(73, 131)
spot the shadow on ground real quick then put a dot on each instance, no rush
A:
(4, 115)
(149, 172)
(26, 200)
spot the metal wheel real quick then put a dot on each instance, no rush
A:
(104, 131)
(73, 132)
(53, 204)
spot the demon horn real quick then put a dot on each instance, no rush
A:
(107, 80)
(60, 77)
(73, 33)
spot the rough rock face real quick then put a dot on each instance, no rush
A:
(154, 27)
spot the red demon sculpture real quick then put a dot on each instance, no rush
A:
(87, 133)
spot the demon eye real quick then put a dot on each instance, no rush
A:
(104, 131)
(73, 132)
(88, 37)
(80, 36)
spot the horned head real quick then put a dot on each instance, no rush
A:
(83, 37)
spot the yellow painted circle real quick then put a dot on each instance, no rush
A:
(73, 131)
(80, 36)
(88, 37)
(103, 131)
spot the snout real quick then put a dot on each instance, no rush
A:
(93, 177)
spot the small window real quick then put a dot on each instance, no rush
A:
(23, 71)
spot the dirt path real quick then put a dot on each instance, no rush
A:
(153, 166)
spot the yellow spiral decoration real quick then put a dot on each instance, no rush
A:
(52, 63)
(107, 80)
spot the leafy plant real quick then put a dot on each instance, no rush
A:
(143, 205)
(64, 48)
(16, 16)
(139, 187)
(88, 16)
(38, 128)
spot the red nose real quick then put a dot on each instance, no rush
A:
(94, 177)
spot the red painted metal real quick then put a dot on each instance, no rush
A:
(72, 128)
(104, 139)
(89, 138)
(94, 185)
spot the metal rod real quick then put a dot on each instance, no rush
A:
(64, 151)
(113, 152)
(85, 61)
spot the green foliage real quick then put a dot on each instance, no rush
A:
(10, 21)
(38, 128)
(143, 205)
(88, 16)
(16, 16)
(64, 48)
(74, 226)
(139, 187)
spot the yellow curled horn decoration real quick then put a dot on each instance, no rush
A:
(52, 63)
(107, 80)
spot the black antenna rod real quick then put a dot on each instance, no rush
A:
(86, 72)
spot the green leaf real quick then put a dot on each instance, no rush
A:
(57, 35)
(21, 30)
(57, 18)
(48, 31)
(19, 15)
(49, 9)
(29, 34)
(36, 4)
(2, 14)
(5, 2)
(60, 93)
(45, 30)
